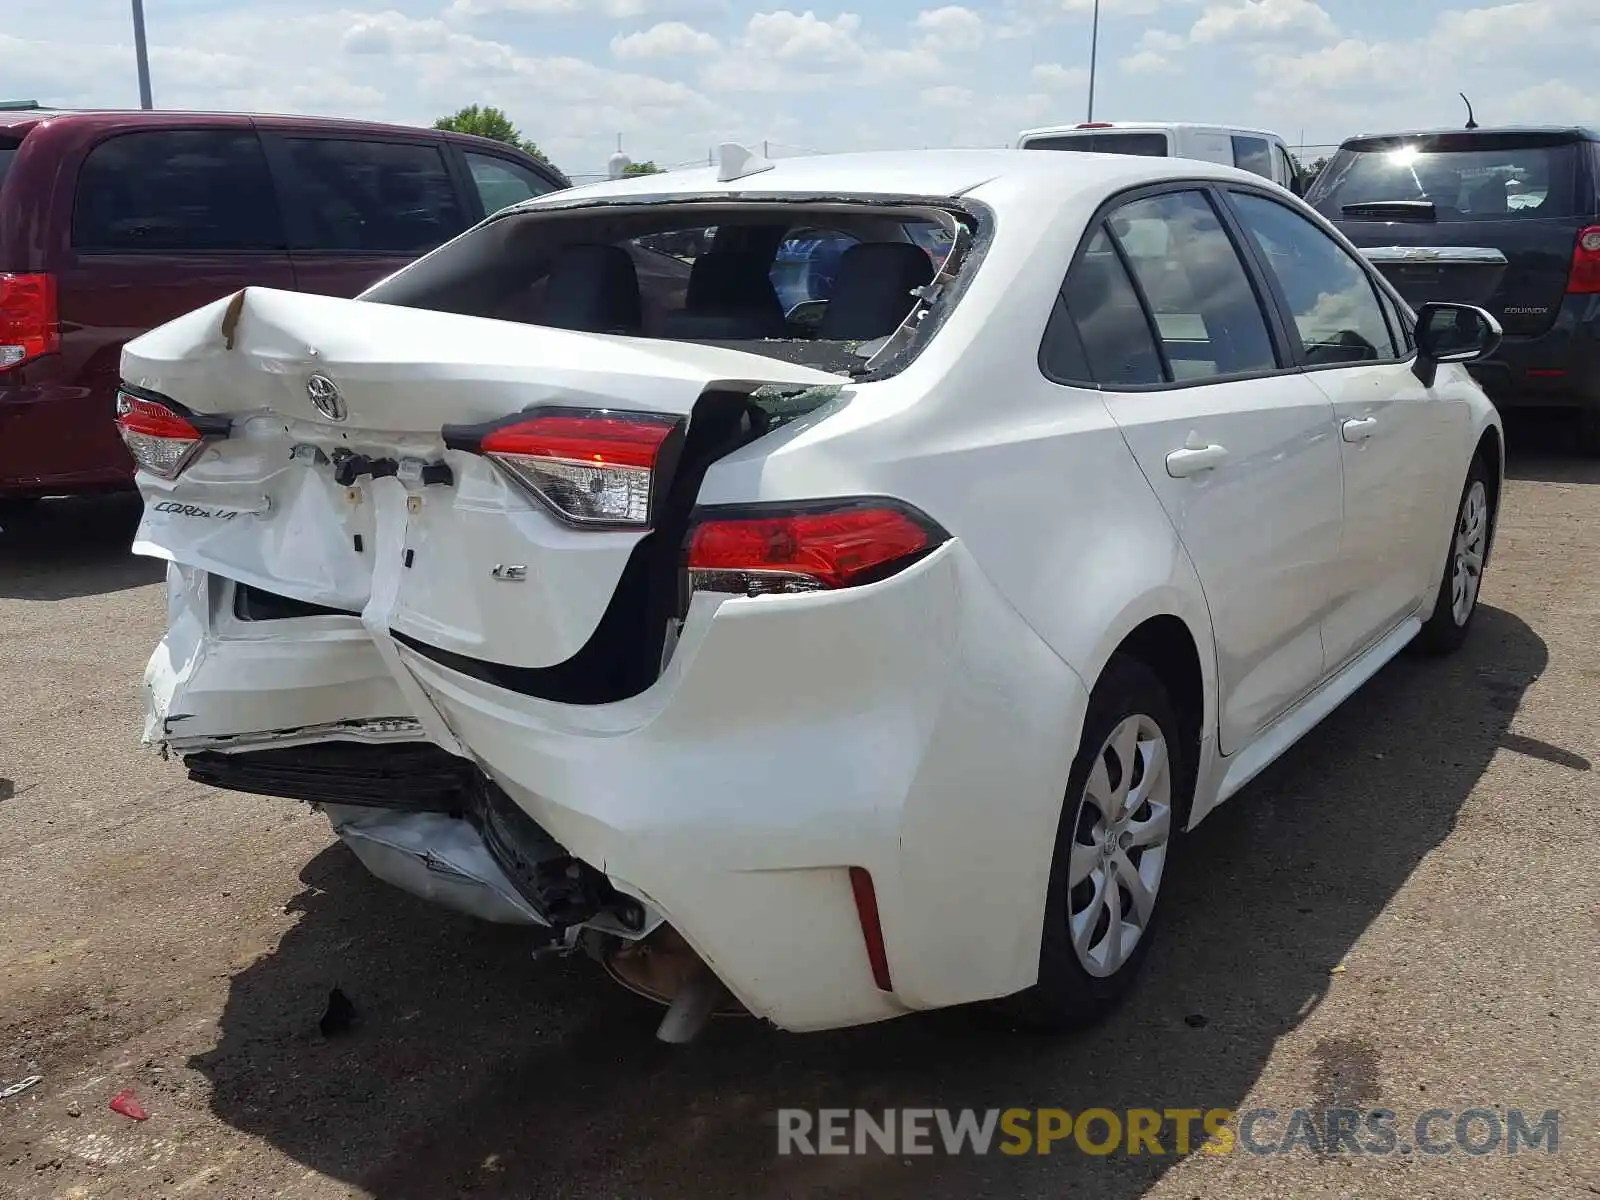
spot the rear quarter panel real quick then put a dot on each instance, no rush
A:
(1033, 477)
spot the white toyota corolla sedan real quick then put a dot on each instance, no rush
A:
(835, 663)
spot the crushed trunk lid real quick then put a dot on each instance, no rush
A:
(333, 484)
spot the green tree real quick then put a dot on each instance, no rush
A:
(644, 168)
(489, 122)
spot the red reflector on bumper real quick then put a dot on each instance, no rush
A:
(871, 926)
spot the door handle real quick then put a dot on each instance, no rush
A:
(1191, 460)
(1359, 430)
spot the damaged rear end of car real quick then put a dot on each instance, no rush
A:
(435, 554)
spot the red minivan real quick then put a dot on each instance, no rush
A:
(112, 223)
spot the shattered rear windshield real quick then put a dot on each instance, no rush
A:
(840, 286)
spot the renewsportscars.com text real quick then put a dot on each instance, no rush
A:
(1101, 1131)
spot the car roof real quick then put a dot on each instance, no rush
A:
(1577, 132)
(10, 117)
(1101, 126)
(903, 173)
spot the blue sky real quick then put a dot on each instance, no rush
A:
(673, 77)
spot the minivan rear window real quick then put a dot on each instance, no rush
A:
(1466, 177)
(1143, 145)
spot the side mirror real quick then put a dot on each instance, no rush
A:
(1297, 185)
(1453, 333)
(807, 314)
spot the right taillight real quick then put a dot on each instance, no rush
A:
(809, 548)
(161, 440)
(29, 324)
(591, 468)
(1585, 277)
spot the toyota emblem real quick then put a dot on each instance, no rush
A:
(325, 398)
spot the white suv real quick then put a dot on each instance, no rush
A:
(864, 659)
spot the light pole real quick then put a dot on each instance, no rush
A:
(141, 54)
(1094, 54)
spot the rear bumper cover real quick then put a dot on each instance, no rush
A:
(915, 727)
(1560, 368)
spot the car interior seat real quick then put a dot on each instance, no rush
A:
(591, 289)
(872, 293)
(730, 297)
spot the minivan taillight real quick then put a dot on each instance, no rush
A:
(1585, 277)
(29, 323)
(161, 440)
(591, 468)
(819, 546)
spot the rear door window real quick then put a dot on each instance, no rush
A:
(1465, 176)
(174, 191)
(1253, 154)
(501, 183)
(1205, 308)
(367, 197)
(1333, 300)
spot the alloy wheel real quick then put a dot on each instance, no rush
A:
(1119, 845)
(1472, 534)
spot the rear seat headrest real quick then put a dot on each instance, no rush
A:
(872, 294)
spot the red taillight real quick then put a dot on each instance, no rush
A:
(871, 927)
(29, 324)
(807, 550)
(1095, 125)
(160, 440)
(588, 468)
(1585, 277)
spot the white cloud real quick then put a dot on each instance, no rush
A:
(1145, 62)
(947, 96)
(1261, 20)
(614, 9)
(787, 36)
(784, 52)
(669, 39)
(950, 28)
(1056, 77)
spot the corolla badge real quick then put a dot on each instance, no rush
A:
(325, 397)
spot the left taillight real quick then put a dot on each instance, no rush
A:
(30, 326)
(814, 547)
(595, 469)
(161, 440)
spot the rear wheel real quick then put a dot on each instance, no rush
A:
(1457, 600)
(1589, 430)
(1126, 798)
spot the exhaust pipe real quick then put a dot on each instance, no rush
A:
(664, 968)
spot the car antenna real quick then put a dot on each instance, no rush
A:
(1472, 122)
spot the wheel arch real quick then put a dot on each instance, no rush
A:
(1491, 451)
(1169, 631)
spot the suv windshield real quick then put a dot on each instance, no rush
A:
(1143, 145)
(1495, 176)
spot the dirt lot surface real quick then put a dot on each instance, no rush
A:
(1402, 913)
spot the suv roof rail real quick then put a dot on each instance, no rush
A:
(18, 105)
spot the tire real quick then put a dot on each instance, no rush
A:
(1589, 431)
(1083, 971)
(1451, 620)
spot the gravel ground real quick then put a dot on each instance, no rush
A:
(1402, 913)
